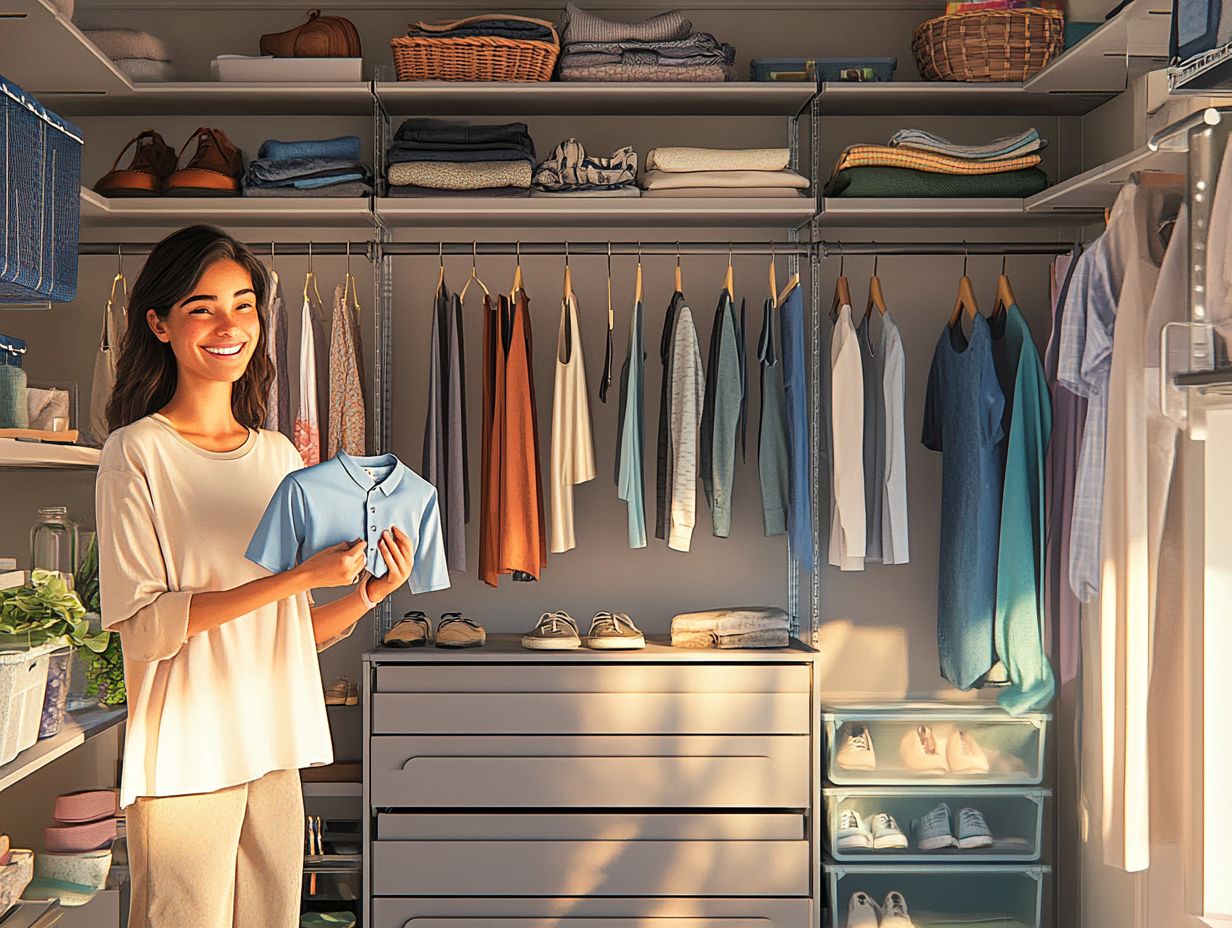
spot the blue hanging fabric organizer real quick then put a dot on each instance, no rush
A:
(40, 175)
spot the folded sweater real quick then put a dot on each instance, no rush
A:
(128, 43)
(1009, 146)
(862, 156)
(649, 73)
(663, 180)
(444, 175)
(675, 160)
(144, 70)
(577, 25)
(903, 182)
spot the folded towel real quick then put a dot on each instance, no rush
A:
(602, 192)
(902, 182)
(448, 176)
(343, 190)
(649, 73)
(700, 46)
(128, 43)
(742, 626)
(862, 156)
(662, 180)
(1009, 146)
(577, 25)
(717, 159)
(145, 70)
(786, 193)
(342, 148)
(569, 166)
(411, 190)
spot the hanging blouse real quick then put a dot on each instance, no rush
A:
(663, 449)
(573, 450)
(795, 387)
(347, 422)
(445, 462)
(688, 395)
(872, 364)
(114, 314)
(307, 432)
(278, 400)
(722, 414)
(772, 452)
(630, 467)
(894, 536)
(848, 528)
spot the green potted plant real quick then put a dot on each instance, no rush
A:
(46, 611)
(103, 660)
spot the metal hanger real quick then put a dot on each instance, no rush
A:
(105, 342)
(1005, 293)
(966, 295)
(876, 298)
(474, 277)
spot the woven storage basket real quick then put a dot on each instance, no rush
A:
(995, 45)
(474, 58)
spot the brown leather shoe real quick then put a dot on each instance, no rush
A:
(153, 162)
(214, 171)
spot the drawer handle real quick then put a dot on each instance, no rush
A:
(507, 758)
(675, 922)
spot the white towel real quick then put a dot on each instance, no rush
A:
(128, 43)
(662, 180)
(717, 159)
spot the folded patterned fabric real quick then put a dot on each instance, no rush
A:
(400, 153)
(779, 638)
(342, 148)
(740, 627)
(602, 192)
(1011, 146)
(675, 160)
(505, 26)
(650, 73)
(424, 129)
(577, 25)
(863, 156)
(346, 189)
(411, 190)
(128, 43)
(701, 45)
(264, 170)
(145, 70)
(662, 180)
(726, 192)
(902, 182)
(569, 166)
(444, 175)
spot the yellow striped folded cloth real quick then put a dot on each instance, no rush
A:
(882, 156)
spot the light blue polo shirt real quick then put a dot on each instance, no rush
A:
(345, 499)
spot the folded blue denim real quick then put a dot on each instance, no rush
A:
(343, 148)
(270, 171)
(308, 183)
(346, 189)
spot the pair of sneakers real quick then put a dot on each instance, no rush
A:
(863, 912)
(609, 631)
(922, 753)
(880, 832)
(937, 829)
(454, 630)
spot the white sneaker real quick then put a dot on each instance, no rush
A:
(857, 750)
(920, 753)
(853, 831)
(862, 912)
(964, 755)
(894, 912)
(886, 833)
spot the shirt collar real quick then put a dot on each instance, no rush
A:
(355, 468)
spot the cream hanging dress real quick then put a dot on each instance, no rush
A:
(307, 422)
(573, 449)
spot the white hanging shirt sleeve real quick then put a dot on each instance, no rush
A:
(895, 548)
(847, 528)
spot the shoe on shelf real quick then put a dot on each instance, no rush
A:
(856, 752)
(862, 912)
(894, 912)
(886, 833)
(555, 631)
(964, 755)
(614, 631)
(973, 831)
(414, 631)
(342, 692)
(153, 162)
(214, 170)
(853, 831)
(455, 630)
(920, 753)
(935, 830)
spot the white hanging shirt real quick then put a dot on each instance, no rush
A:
(847, 527)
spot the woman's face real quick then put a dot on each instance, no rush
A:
(213, 331)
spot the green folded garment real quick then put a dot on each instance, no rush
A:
(327, 920)
(904, 182)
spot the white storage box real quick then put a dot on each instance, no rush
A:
(23, 683)
(1013, 745)
(264, 69)
(1006, 896)
(1014, 816)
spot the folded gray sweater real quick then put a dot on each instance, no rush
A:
(577, 25)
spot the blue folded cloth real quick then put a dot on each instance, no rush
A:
(343, 148)
(264, 170)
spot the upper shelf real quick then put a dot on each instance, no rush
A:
(33, 454)
(926, 212)
(939, 98)
(214, 98)
(76, 729)
(1094, 190)
(1131, 43)
(42, 52)
(314, 212)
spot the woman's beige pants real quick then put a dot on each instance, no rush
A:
(217, 860)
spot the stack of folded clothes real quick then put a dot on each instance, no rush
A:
(311, 168)
(919, 164)
(735, 627)
(139, 56)
(569, 171)
(434, 157)
(719, 172)
(662, 48)
(498, 25)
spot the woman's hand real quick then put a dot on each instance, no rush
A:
(398, 552)
(337, 565)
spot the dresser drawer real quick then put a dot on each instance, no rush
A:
(591, 868)
(596, 771)
(465, 713)
(608, 677)
(589, 826)
(595, 912)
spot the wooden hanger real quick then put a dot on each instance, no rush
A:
(679, 276)
(842, 289)
(311, 277)
(788, 287)
(875, 297)
(440, 277)
(517, 271)
(611, 312)
(568, 275)
(637, 289)
(1005, 293)
(350, 286)
(727, 279)
(474, 277)
(774, 287)
(966, 298)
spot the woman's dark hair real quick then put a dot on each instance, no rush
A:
(146, 371)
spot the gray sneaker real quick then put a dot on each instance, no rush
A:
(973, 831)
(614, 631)
(555, 631)
(934, 830)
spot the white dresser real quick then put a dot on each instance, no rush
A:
(663, 788)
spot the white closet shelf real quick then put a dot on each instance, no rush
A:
(76, 729)
(939, 98)
(316, 212)
(927, 211)
(213, 98)
(1094, 190)
(1131, 43)
(32, 454)
(565, 98)
(36, 35)
(423, 212)
(321, 790)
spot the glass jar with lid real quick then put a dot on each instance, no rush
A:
(53, 541)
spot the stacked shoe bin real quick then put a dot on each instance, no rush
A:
(909, 760)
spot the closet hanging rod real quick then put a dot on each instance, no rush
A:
(1176, 135)
(364, 249)
(599, 249)
(924, 249)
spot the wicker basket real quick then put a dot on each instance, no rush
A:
(475, 58)
(996, 45)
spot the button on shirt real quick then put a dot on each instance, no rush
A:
(348, 498)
